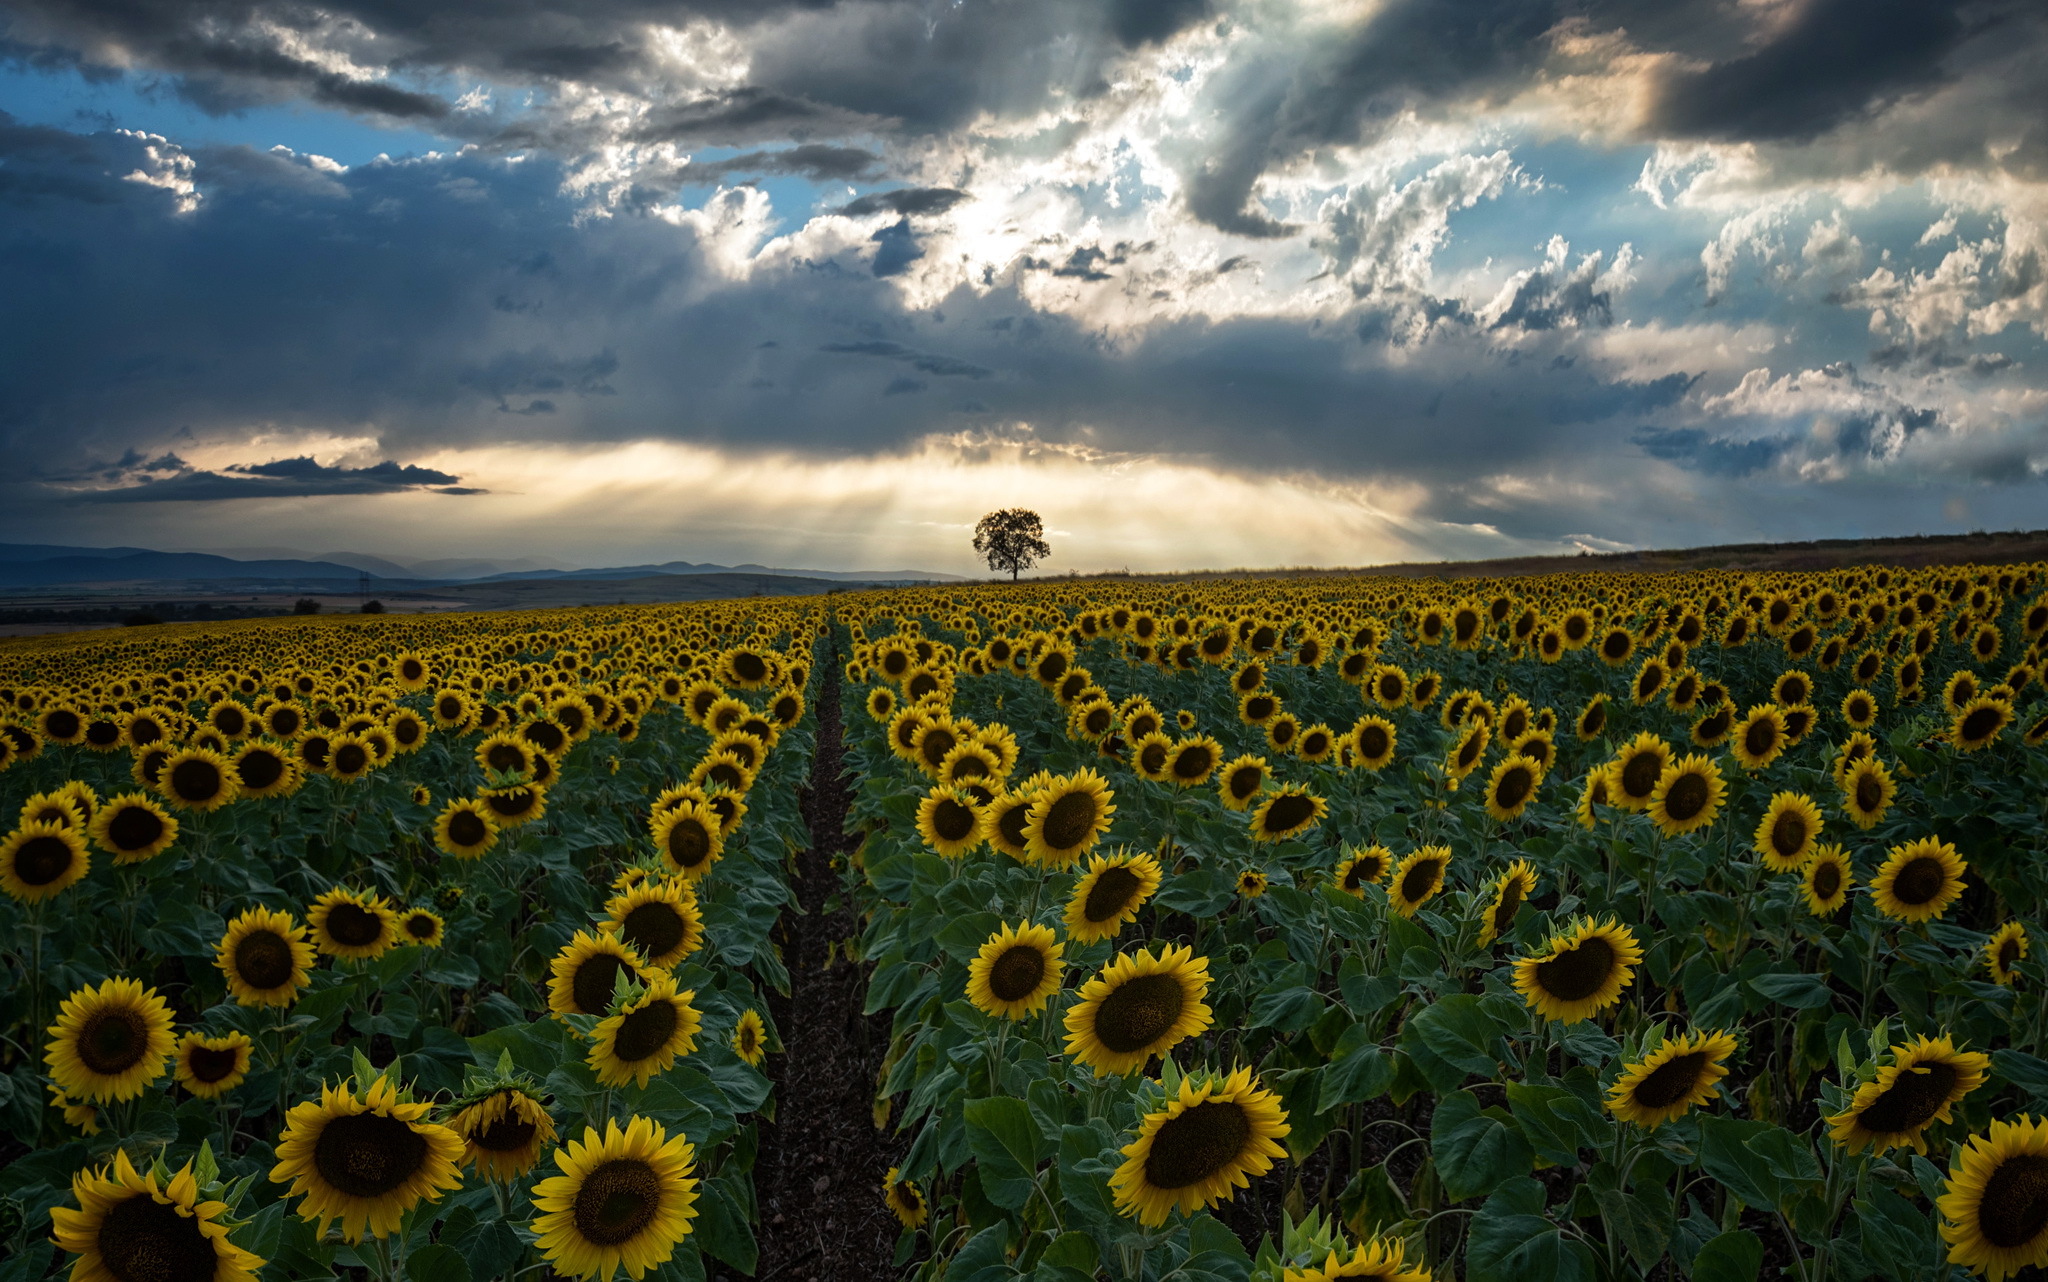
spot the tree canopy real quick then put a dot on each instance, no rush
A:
(1012, 539)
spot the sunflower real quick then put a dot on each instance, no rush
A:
(1209, 1139)
(1510, 891)
(110, 1042)
(1138, 1006)
(1859, 709)
(1251, 884)
(1712, 730)
(38, 861)
(1015, 973)
(1466, 752)
(624, 1198)
(1317, 744)
(1636, 770)
(584, 975)
(52, 808)
(1362, 866)
(503, 1132)
(263, 769)
(1785, 836)
(197, 779)
(1599, 791)
(750, 1038)
(646, 1035)
(1067, 818)
(357, 925)
(465, 829)
(1978, 722)
(1512, 787)
(1581, 971)
(422, 928)
(514, 805)
(1109, 894)
(1241, 781)
(1825, 880)
(659, 919)
(1688, 795)
(1667, 1083)
(130, 1226)
(1192, 761)
(1759, 736)
(1287, 812)
(504, 754)
(84, 1117)
(905, 1199)
(2003, 951)
(1919, 880)
(365, 1159)
(133, 828)
(949, 820)
(1372, 743)
(690, 838)
(1867, 792)
(1995, 1209)
(265, 957)
(210, 1067)
(1375, 1258)
(1003, 820)
(1925, 1078)
(1418, 878)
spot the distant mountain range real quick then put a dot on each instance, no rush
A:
(46, 566)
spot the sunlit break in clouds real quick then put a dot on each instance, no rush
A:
(1208, 283)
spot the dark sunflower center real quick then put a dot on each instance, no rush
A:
(368, 1154)
(970, 767)
(195, 779)
(508, 1134)
(1686, 797)
(1198, 1144)
(1153, 759)
(506, 758)
(113, 1041)
(259, 768)
(1070, 821)
(210, 1065)
(1981, 724)
(1788, 834)
(1362, 872)
(351, 758)
(1139, 1012)
(144, 1240)
(102, 733)
(953, 821)
(1513, 788)
(229, 720)
(616, 1201)
(689, 843)
(748, 666)
(1111, 894)
(1011, 822)
(1288, 811)
(1245, 781)
(1420, 879)
(263, 960)
(646, 1031)
(1671, 1081)
(1193, 762)
(1315, 744)
(1916, 1095)
(62, 724)
(1577, 973)
(937, 743)
(42, 860)
(1017, 973)
(655, 928)
(1468, 752)
(1760, 738)
(1372, 742)
(135, 828)
(1639, 776)
(420, 926)
(354, 926)
(466, 828)
(1510, 904)
(2008, 953)
(1919, 881)
(1594, 720)
(1869, 793)
(1616, 646)
(1827, 879)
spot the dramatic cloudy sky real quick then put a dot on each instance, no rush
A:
(1207, 282)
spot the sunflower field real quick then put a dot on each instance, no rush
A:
(1579, 927)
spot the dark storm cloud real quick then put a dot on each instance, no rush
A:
(282, 478)
(908, 201)
(817, 161)
(1701, 451)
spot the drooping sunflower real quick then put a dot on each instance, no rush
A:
(1373, 741)
(1212, 1137)
(661, 920)
(1635, 771)
(1581, 971)
(646, 1035)
(40, 860)
(1138, 1006)
(1978, 722)
(583, 976)
(1924, 1079)
(1670, 1081)
(210, 1067)
(504, 1131)
(110, 1042)
(1362, 866)
(1785, 836)
(1067, 818)
(949, 820)
(1512, 786)
(1995, 1208)
(357, 925)
(1016, 972)
(365, 1159)
(2003, 951)
(1510, 891)
(1919, 880)
(1287, 812)
(265, 958)
(1759, 736)
(197, 779)
(1825, 881)
(905, 1199)
(1375, 1258)
(1688, 795)
(690, 838)
(1109, 895)
(127, 1226)
(1867, 792)
(1193, 760)
(623, 1199)
(1418, 878)
(750, 1038)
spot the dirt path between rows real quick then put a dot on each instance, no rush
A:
(819, 1175)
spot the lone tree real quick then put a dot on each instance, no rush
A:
(1012, 539)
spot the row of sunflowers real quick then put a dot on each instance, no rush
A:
(424, 948)
(1580, 927)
